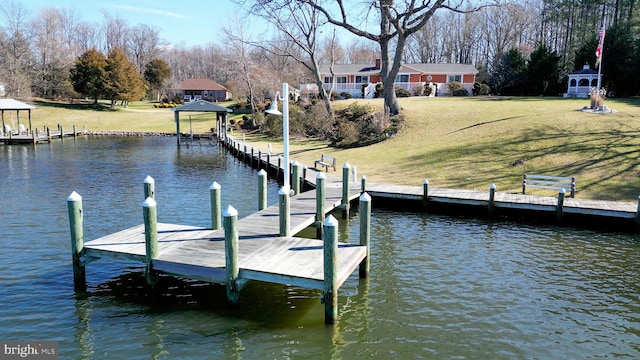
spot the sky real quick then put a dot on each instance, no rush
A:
(190, 23)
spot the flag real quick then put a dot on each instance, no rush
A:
(600, 45)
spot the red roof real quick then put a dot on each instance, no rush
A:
(200, 84)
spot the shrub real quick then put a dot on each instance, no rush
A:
(460, 92)
(427, 90)
(484, 89)
(454, 85)
(401, 93)
(379, 90)
(346, 95)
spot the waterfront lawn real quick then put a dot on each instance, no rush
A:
(465, 143)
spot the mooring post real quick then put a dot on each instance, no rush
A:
(251, 158)
(278, 168)
(150, 238)
(320, 202)
(74, 205)
(215, 195)
(304, 178)
(330, 295)
(345, 190)
(149, 187)
(268, 164)
(560, 204)
(262, 190)
(492, 201)
(231, 253)
(259, 158)
(295, 174)
(244, 154)
(363, 184)
(638, 212)
(75, 134)
(284, 211)
(365, 231)
(61, 132)
(425, 194)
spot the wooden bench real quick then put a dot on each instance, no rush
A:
(326, 161)
(549, 182)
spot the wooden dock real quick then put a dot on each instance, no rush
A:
(262, 253)
(37, 136)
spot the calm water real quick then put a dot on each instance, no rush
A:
(440, 287)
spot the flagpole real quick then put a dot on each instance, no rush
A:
(601, 34)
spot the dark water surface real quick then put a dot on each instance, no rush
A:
(440, 287)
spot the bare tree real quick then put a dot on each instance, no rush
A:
(398, 21)
(115, 32)
(300, 24)
(236, 32)
(15, 57)
(142, 45)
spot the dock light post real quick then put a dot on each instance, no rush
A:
(284, 191)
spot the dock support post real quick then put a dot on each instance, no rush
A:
(425, 195)
(268, 164)
(295, 174)
(259, 159)
(231, 253)
(214, 194)
(320, 202)
(74, 205)
(75, 134)
(330, 295)
(61, 132)
(150, 238)
(638, 213)
(363, 184)
(492, 201)
(561, 194)
(303, 180)
(262, 190)
(345, 190)
(149, 187)
(284, 211)
(278, 168)
(365, 231)
(251, 158)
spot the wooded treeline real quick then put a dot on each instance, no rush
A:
(38, 50)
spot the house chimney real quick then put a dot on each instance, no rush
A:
(378, 62)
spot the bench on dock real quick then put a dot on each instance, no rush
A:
(326, 161)
(549, 182)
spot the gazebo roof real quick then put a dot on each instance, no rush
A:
(11, 104)
(202, 106)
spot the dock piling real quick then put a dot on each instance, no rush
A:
(345, 190)
(214, 194)
(320, 202)
(150, 238)
(330, 295)
(365, 231)
(425, 194)
(284, 211)
(561, 194)
(262, 190)
(231, 253)
(492, 201)
(295, 174)
(74, 205)
(149, 187)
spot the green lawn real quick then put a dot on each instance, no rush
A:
(464, 143)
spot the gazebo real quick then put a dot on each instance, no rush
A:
(203, 106)
(15, 105)
(581, 82)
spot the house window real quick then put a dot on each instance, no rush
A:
(362, 79)
(402, 79)
(457, 78)
(327, 80)
(341, 79)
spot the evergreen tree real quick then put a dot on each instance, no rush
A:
(122, 79)
(509, 77)
(543, 72)
(156, 72)
(88, 74)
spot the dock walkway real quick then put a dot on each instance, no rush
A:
(37, 137)
(199, 253)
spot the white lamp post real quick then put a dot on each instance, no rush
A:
(284, 191)
(273, 109)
